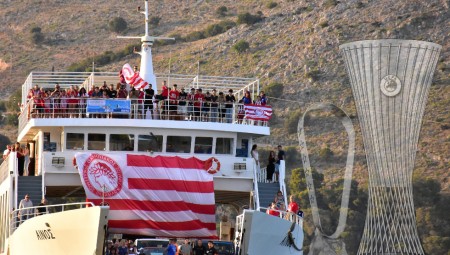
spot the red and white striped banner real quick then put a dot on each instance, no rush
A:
(133, 78)
(257, 112)
(154, 196)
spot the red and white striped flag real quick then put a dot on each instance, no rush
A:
(133, 78)
(154, 196)
(257, 112)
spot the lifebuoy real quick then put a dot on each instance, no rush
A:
(212, 165)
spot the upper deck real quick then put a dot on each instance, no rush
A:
(47, 111)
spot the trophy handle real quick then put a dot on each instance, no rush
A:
(346, 121)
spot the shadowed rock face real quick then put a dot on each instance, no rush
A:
(390, 80)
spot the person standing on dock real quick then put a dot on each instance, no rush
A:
(186, 248)
(211, 250)
(172, 248)
(199, 249)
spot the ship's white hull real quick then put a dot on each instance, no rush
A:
(265, 234)
(79, 231)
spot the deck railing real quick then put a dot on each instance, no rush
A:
(4, 170)
(19, 216)
(137, 109)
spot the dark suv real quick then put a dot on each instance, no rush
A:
(224, 247)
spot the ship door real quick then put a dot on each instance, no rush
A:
(31, 145)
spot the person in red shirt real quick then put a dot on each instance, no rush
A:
(199, 98)
(164, 91)
(273, 210)
(292, 207)
(174, 94)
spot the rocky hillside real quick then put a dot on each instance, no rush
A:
(295, 44)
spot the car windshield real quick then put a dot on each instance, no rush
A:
(224, 248)
(152, 243)
(154, 251)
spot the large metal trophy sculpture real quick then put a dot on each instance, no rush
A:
(390, 80)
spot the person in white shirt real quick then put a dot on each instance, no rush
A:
(7, 151)
(25, 211)
(255, 156)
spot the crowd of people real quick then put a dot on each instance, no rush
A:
(273, 162)
(278, 207)
(26, 210)
(23, 159)
(172, 103)
(124, 247)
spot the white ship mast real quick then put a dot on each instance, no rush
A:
(146, 69)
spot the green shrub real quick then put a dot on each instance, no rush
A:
(313, 75)
(194, 36)
(326, 152)
(213, 30)
(249, 19)
(154, 21)
(37, 38)
(274, 89)
(11, 119)
(36, 29)
(227, 24)
(221, 11)
(241, 46)
(36, 35)
(330, 3)
(291, 123)
(102, 59)
(118, 25)
(271, 5)
(323, 23)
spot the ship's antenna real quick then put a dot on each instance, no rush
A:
(146, 69)
(170, 60)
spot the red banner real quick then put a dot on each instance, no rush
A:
(154, 196)
(258, 112)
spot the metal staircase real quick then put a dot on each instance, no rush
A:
(267, 193)
(31, 185)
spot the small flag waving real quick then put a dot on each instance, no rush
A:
(257, 112)
(133, 78)
(154, 196)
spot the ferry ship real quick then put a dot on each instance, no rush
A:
(58, 138)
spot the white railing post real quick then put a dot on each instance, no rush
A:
(255, 185)
(13, 162)
(282, 177)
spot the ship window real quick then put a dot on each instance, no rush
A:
(224, 145)
(75, 141)
(179, 144)
(96, 142)
(203, 145)
(121, 142)
(150, 143)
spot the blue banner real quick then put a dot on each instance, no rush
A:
(108, 106)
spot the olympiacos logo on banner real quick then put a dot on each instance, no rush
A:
(102, 175)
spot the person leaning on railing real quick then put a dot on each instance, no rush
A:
(43, 209)
(214, 106)
(229, 101)
(25, 212)
(221, 103)
(272, 210)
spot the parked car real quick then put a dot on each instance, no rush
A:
(151, 246)
(222, 247)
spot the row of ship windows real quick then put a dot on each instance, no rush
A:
(149, 143)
